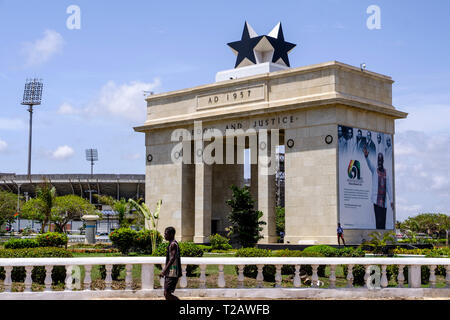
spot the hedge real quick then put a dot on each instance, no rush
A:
(52, 239)
(127, 239)
(21, 244)
(219, 243)
(18, 274)
(187, 249)
(251, 271)
(315, 251)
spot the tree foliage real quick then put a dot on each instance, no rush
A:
(8, 207)
(34, 209)
(151, 218)
(280, 219)
(379, 240)
(245, 220)
(433, 224)
(68, 208)
(122, 207)
(47, 194)
(46, 208)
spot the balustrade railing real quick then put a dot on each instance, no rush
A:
(79, 277)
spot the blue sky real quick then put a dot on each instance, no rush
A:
(94, 76)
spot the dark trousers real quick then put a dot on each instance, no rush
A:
(380, 217)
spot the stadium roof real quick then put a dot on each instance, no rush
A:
(115, 185)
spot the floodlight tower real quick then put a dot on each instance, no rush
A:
(32, 96)
(92, 156)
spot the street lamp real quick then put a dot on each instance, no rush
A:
(32, 96)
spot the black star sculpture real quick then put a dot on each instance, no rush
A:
(281, 47)
(244, 48)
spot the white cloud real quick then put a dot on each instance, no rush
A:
(67, 109)
(124, 101)
(3, 145)
(43, 49)
(11, 124)
(62, 153)
(422, 172)
(132, 156)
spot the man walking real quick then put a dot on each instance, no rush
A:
(172, 269)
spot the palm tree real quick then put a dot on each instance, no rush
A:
(151, 218)
(378, 241)
(47, 194)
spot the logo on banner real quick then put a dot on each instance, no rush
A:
(354, 170)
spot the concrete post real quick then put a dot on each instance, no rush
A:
(414, 276)
(266, 188)
(203, 205)
(91, 222)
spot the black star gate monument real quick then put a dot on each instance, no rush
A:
(258, 54)
(324, 114)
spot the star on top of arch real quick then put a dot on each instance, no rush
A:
(254, 49)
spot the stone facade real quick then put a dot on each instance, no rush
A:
(306, 104)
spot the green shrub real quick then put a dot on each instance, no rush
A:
(21, 244)
(359, 272)
(350, 252)
(123, 239)
(319, 251)
(205, 248)
(434, 253)
(219, 243)
(52, 239)
(251, 271)
(323, 250)
(18, 274)
(187, 249)
(286, 253)
(424, 273)
(143, 241)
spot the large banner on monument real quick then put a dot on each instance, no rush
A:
(366, 191)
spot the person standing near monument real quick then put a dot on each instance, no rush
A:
(172, 269)
(340, 234)
(380, 186)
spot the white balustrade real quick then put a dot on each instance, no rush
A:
(332, 276)
(221, 279)
(241, 276)
(260, 276)
(278, 277)
(183, 280)
(87, 277)
(68, 281)
(401, 276)
(28, 280)
(315, 276)
(108, 279)
(148, 274)
(350, 276)
(297, 280)
(129, 277)
(48, 278)
(203, 276)
(384, 280)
